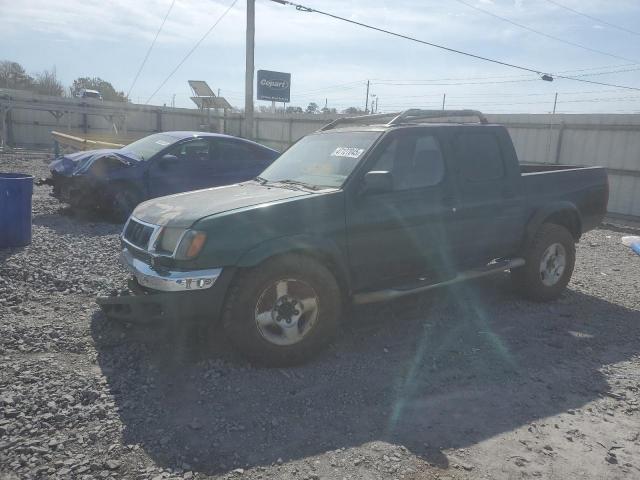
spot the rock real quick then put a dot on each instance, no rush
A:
(520, 462)
(113, 464)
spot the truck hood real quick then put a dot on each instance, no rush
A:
(184, 209)
(79, 162)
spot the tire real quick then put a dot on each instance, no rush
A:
(550, 259)
(124, 200)
(284, 311)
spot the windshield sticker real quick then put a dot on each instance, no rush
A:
(348, 152)
(164, 143)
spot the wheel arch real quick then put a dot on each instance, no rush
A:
(565, 214)
(321, 250)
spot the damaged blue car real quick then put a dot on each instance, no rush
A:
(116, 180)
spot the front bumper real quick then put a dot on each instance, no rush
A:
(173, 299)
(168, 281)
(77, 191)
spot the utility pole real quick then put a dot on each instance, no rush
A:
(366, 101)
(444, 100)
(555, 103)
(248, 79)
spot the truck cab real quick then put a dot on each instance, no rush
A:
(365, 210)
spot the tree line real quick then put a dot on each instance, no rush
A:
(14, 76)
(312, 108)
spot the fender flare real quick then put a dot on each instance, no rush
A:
(323, 250)
(565, 210)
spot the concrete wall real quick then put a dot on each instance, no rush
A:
(28, 119)
(612, 141)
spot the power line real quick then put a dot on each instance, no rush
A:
(543, 75)
(487, 77)
(492, 82)
(593, 82)
(184, 59)
(495, 82)
(303, 8)
(547, 35)
(595, 19)
(494, 104)
(146, 57)
(340, 88)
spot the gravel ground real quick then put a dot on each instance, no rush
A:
(466, 383)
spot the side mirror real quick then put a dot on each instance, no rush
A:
(378, 181)
(167, 160)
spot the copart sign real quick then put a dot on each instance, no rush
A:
(274, 86)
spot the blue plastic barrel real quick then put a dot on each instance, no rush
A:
(15, 209)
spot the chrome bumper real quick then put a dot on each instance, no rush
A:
(170, 281)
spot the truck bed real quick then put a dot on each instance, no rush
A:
(585, 187)
(526, 168)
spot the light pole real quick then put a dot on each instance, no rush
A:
(366, 100)
(248, 78)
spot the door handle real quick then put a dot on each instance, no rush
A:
(449, 201)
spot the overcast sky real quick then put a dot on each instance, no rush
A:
(110, 38)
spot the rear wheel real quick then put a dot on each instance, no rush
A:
(284, 311)
(550, 259)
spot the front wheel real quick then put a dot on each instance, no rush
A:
(284, 311)
(550, 259)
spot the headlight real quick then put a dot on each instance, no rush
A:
(169, 239)
(190, 245)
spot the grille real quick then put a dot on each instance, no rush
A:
(138, 234)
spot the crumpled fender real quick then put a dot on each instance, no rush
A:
(80, 162)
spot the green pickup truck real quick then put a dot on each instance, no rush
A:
(367, 209)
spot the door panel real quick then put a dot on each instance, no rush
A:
(400, 235)
(190, 170)
(491, 211)
(238, 161)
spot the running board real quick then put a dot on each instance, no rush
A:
(391, 293)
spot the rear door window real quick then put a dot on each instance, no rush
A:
(479, 156)
(238, 156)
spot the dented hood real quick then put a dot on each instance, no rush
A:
(79, 162)
(184, 209)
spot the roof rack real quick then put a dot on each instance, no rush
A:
(413, 115)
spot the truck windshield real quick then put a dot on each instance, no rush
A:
(322, 159)
(147, 147)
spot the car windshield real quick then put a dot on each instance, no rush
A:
(147, 147)
(321, 160)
